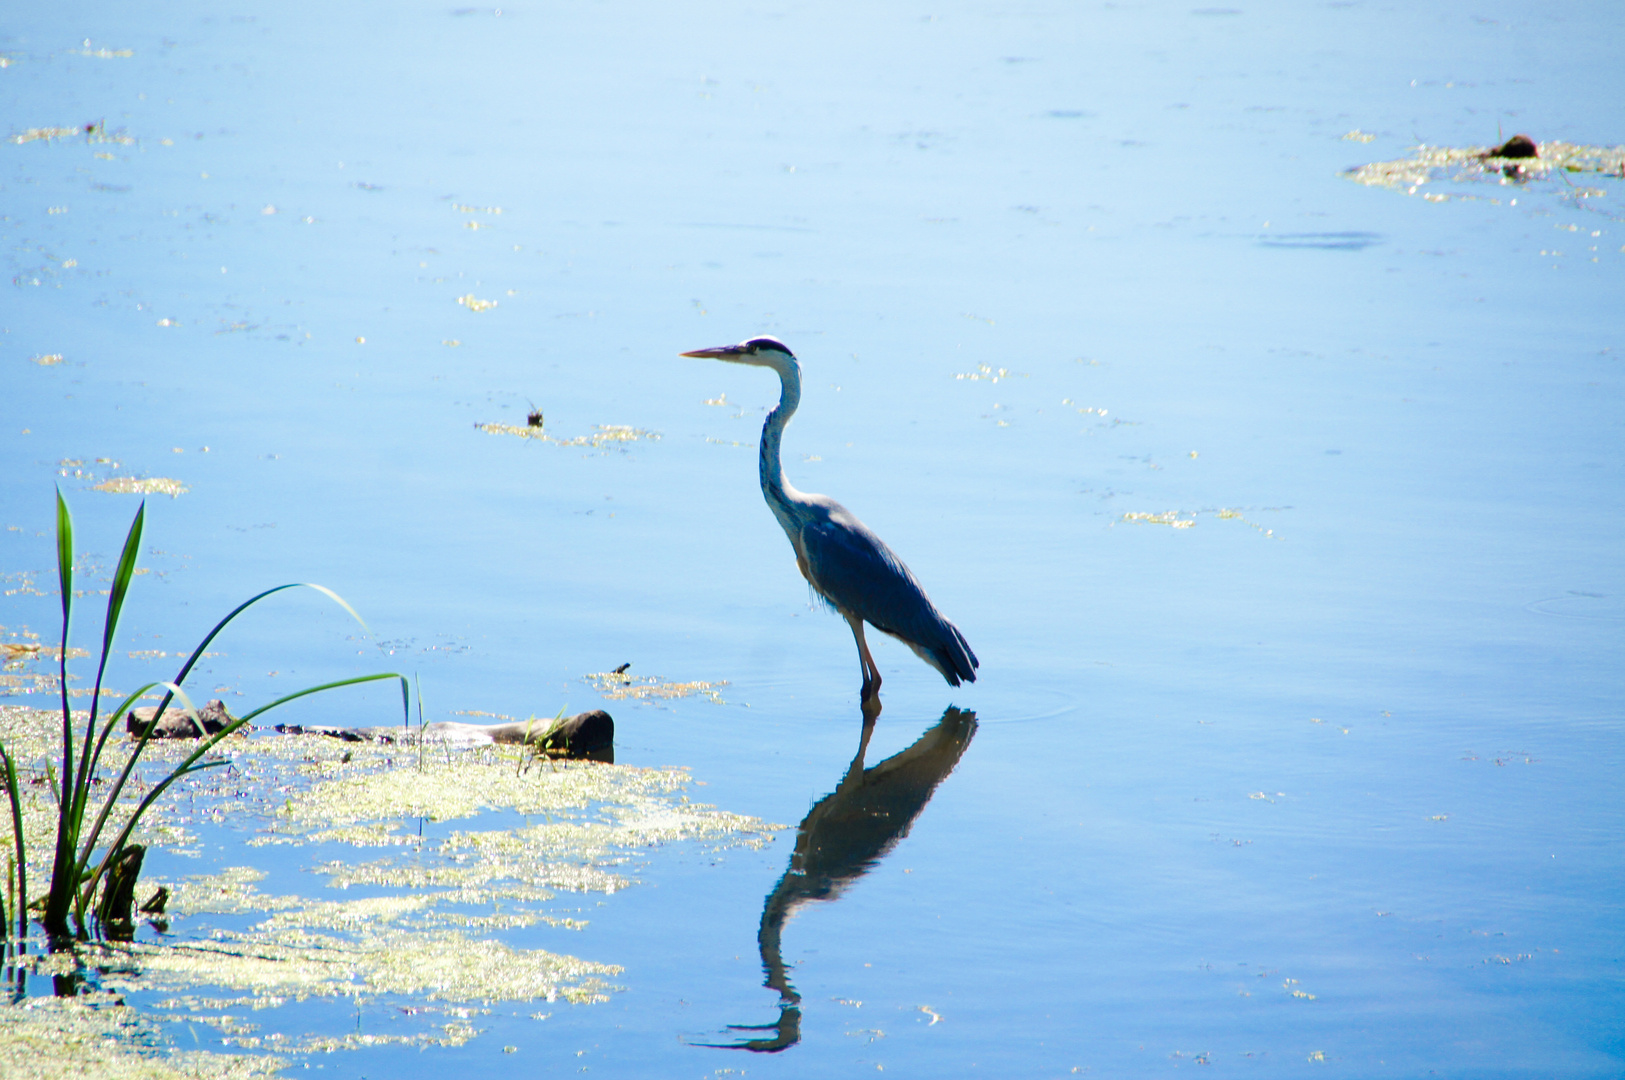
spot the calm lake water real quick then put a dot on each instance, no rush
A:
(1283, 511)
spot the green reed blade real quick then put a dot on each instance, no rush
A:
(115, 605)
(88, 847)
(56, 910)
(334, 686)
(17, 837)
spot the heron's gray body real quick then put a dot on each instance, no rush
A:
(846, 563)
(853, 569)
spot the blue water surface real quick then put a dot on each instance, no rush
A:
(1283, 512)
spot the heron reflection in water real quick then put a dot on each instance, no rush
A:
(846, 564)
(842, 838)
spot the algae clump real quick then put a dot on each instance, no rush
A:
(416, 958)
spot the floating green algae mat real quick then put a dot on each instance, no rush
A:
(94, 1036)
(422, 931)
(1468, 168)
(602, 434)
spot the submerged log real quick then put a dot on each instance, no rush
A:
(589, 735)
(383, 735)
(584, 735)
(118, 893)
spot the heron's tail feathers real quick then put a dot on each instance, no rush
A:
(950, 654)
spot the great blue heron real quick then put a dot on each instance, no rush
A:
(845, 563)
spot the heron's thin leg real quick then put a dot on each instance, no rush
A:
(871, 673)
(854, 771)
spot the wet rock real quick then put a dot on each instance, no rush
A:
(1519, 146)
(177, 723)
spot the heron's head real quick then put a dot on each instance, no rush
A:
(761, 351)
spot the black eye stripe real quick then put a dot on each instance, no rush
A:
(756, 344)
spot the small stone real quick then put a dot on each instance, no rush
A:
(1519, 146)
(177, 723)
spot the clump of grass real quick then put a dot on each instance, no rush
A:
(76, 871)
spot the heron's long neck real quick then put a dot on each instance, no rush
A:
(775, 488)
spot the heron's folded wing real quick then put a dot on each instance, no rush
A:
(857, 571)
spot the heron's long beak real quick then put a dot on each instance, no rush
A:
(721, 352)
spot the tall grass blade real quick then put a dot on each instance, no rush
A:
(71, 887)
(118, 714)
(197, 654)
(173, 688)
(17, 837)
(421, 729)
(191, 765)
(56, 910)
(186, 669)
(341, 602)
(111, 799)
(115, 605)
(64, 575)
(64, 554)
(88, 846)
(405, 705)
(121, 578)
